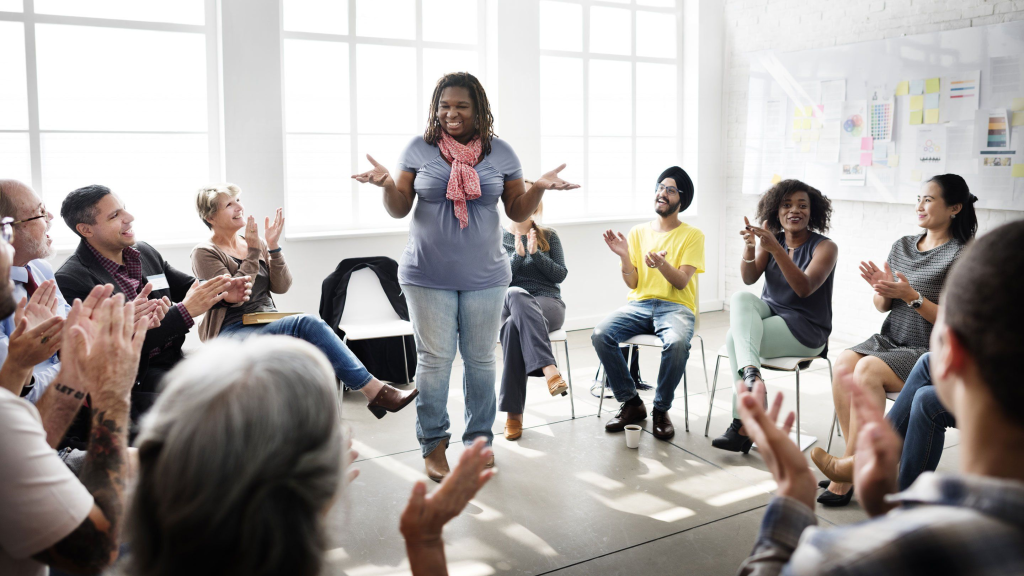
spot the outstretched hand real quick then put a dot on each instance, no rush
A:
(378, 175)
(782, 456)
(552, 181)
(617, 243)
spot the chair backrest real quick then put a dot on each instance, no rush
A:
(366, 302)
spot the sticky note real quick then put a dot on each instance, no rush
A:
(915, 175)
(795, 136)
(807, 111)
(867, 143)
(916, 117)
(917, 102)
(931, 85)
(903, 88)
(1018, 119)
(814, 135)
(894, 160)
(797, 123)
(1017, 105)
(776, 178)
(806, 123)
(865, 158)
(1018, 171)
(917, 86)
(931, 116)
(805, 147)
(931, 101)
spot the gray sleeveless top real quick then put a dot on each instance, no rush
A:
(809, 319)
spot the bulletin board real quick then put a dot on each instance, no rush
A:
(872, 121)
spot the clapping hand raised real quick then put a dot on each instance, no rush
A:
(551, 181)
(617, 243)
(872, 274)
(655, 259)
(378, 175)
(38, 328)
(531, 241)
(768, 240)
(273, 230)
(884, 285)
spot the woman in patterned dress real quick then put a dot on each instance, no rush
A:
(906, 286)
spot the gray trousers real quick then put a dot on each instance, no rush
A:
(525, 323)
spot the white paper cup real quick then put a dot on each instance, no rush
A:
(633, 436)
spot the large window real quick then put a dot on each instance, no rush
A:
(114, 92)
(358, 76)
(614, 113)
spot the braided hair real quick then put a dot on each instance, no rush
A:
(484, 123)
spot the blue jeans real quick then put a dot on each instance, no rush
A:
(671, 322)
(307, 327)
(922, 420)
(443, 320)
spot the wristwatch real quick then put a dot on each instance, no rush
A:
(915, 304)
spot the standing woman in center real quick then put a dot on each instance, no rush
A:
(454, 271)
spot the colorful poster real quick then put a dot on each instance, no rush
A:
(881, 115)
(992, 128)
(930, 150)
(960, 96)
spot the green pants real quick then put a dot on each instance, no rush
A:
(755, 333)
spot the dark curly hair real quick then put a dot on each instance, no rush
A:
(481, 107)
(768, 206)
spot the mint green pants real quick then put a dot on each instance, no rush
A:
(755, 333)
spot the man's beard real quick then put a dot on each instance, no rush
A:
(38, 248)
(666, 210)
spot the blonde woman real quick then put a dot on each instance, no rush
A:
(262, 259)
(533, 307)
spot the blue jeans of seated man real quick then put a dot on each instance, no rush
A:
(307, 327)
(922, 420)
(443, 321)
(672, 323)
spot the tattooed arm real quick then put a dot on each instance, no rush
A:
(58, 407)
(101, 353)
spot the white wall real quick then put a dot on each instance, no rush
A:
(863, 230)
(254, 150)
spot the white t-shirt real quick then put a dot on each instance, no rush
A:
(41, 501)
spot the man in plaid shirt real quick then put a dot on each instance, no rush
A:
(971, 522)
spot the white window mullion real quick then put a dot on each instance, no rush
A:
(33, 96)
(353, 74)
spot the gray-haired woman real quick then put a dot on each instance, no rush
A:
(241, 458)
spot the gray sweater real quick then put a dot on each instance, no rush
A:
(540, 273)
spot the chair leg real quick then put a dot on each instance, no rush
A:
(405, 362)
(686, 403)
(568, 373)
(832, 431)
(600, 403)
(704, 359)
(798, 406)
(711, 397)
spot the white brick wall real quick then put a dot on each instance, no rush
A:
(863, 230)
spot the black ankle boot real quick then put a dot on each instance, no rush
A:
(749, 374)
(732, 440)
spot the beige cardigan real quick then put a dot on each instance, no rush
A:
(208, 260)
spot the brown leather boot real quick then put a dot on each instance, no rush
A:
(556, 385)
(839, 470)
(436, 463)
(391, 399)
(513, 429)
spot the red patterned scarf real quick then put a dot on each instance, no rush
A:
(464, 183)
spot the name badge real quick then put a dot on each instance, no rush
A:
(159, 282)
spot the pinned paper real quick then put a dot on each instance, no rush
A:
(865, 158)
(917, 87)
(903, 88)
(806, 123)
(805, 147)
(807, 111)
(894, 160)
(916, 117)
(931, 101)
(1017, 105)
(931, 86)
(867, 143)
(776, 178)
(1018, 170)
(1018, 119)
(931, 116)
(814, 135)
(797, 124)
(915, 175)
(916, 103)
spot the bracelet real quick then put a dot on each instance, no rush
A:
(748, 261)
(628, 273)
(274, 251)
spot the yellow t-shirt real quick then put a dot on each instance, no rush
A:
(685, 246)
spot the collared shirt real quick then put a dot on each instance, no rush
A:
(944, 524)
(129, 279)
(45, 371)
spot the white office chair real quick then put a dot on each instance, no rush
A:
(781, 364)
(556, 337)
(368, 313)
(890, 396)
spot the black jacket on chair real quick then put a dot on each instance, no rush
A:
(383, 356)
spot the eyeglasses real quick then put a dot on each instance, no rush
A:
(7, 229)
(43, 215)
(662, 188)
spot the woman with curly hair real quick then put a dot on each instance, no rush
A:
(793, 316)
(907, 287)
(454, 271)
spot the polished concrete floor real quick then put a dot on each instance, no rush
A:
(570, 498)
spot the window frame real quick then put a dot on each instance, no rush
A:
(353, 40)
(587, 56)
(211, 31)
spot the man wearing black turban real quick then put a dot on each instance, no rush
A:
(658, 260)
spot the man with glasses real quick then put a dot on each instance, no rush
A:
(25, 226)
(658, 261)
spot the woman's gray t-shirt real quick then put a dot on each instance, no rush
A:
(439, 254)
